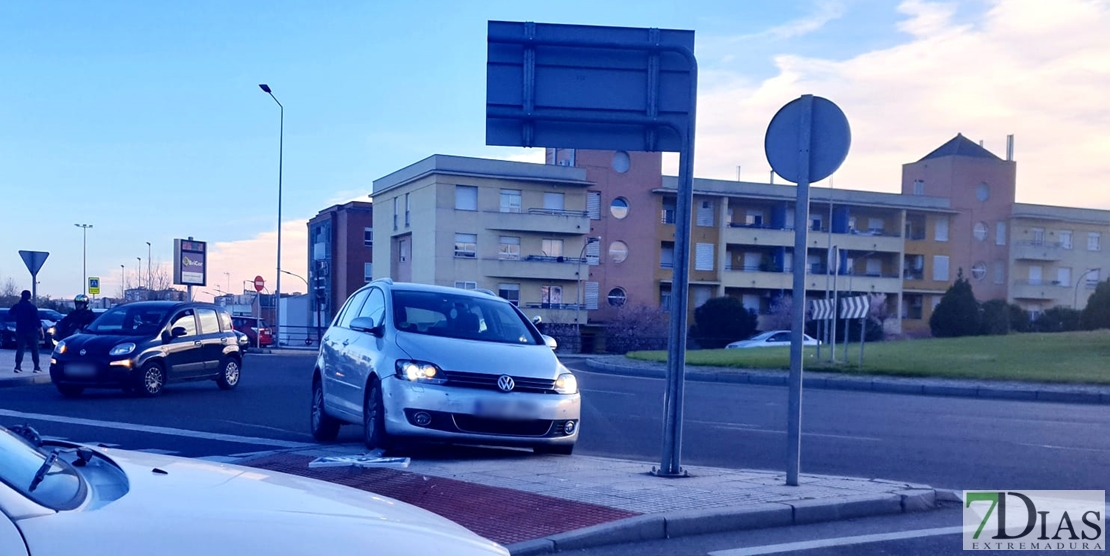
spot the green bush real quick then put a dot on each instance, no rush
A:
(957, 314)
(1097, 312)
(1019, 319)
(995, 318)
(722, 320)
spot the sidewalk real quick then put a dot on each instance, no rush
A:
(1000, 390)
(541, 504)
(7, 363)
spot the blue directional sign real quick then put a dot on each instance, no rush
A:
(587, 87)
(829, 139)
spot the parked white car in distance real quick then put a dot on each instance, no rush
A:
(773, 338)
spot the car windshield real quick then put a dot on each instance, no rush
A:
(460, 316)
(130, 320)
(19, 462)
(50, 314)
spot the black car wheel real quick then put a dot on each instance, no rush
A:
(373, 417)
(69, 390)
(151, 380)
(324, 427)
(229, 376)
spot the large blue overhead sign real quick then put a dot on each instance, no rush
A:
(605, 88)
(585, 87)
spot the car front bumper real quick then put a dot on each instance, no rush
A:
(91, 372)
(479, 416)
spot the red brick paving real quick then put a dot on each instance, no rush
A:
(502, 515)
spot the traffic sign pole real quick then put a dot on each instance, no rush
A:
(801, 217)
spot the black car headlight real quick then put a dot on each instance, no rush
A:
(60, 348)
(419, 371)
(122, 349)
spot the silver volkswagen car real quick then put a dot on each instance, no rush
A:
(444, 364)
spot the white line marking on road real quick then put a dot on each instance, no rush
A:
(613, 392)
(156, 430)
(841, 541)
(750, 428)
(1051, 447)
(262, 427)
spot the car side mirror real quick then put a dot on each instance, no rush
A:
(367, 324)
(177, 332)
(536, 319)
(551, 343)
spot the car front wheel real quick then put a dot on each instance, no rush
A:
(229, 375)
(324, 427)
(151, 380)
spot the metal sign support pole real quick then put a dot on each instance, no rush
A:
(801, 215)
(835, 321)
(862, 322)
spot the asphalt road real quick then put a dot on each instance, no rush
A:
(945, 442)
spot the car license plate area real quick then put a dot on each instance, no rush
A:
(80, 370)
(507, 408)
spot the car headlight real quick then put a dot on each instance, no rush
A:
(566, 384)
(122, 349)
(419, 371)
(50, 330)
(60, 348)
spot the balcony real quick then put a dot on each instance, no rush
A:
(1038, 251)
(541, 220)
(742, 277)
(878, 283)
(740, 234)
(1039, 289)
(857, 241)
(534, 267)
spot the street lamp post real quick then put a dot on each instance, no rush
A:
(579, 295)
(1075, 300)
(84, 256)
(149, 270)
(281, 146)
(122, 283)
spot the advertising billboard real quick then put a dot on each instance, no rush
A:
(189, 262)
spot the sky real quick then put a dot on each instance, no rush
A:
(145, 120)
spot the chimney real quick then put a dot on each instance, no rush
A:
(1010, 147)
(980, 142)
(737, 173)
(772, 176)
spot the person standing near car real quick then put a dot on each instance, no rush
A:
(77, 320)
(28, 330)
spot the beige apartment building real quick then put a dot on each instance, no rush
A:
(589, 232)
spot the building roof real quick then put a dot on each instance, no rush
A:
(1063, 214)
(349, 205)
(961, 146)
(481, 167)
(775, 192)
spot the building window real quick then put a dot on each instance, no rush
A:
(552, 295)
(703, 256)
(665, 298)
(979, 270)
(1000, 234)
(1063, 276)
(619, 208)
(368, 237)
(1093, 277)
(367, 272)
(395, 213)
(509, 249)
(403, 250)
(466, 197)
(876, 225)
(552, 247)
(618, 251)
(408, 209)
(941, 231)
(463, 285)
(621, 162)
(669, 211)
(510, 292)
(510, 200)
(1038, 236)
(815, 223)
(999, 272)
(593, 204)
(466, 246)
(1065, 239)
(918, 187)
(617, 297)
(666, 256)
(753, 218)
(982, 192)
(705, 214)
(554, 201)
(1093, 240)
(980, 231)
(940, 268)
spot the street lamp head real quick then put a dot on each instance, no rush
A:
(265, 88)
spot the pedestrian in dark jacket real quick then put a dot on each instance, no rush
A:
(28, 330)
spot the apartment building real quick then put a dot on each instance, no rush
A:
(589, 232)
(340, 255)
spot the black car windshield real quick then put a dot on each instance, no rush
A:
(460, 316)
(19, 462)
(131, 320)
(50, 314)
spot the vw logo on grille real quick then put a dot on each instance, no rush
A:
(82, 352)
(506, 383)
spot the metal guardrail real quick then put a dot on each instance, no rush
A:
(559, 212)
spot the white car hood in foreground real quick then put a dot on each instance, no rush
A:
(209, 509)
(473, 356)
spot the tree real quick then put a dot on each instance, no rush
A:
(722, 320)
(957, 314)
(996, 318)
(781, 316)
(637, 327)
(1019, 319)
(1097, 312)
(1058, 319)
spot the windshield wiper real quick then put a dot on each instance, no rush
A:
(41, 473)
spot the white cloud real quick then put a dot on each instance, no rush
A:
(1033, 69)
(244, 259)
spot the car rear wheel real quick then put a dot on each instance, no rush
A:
(324, 427)
(229, 376)
(373, 417)
(151, 380)
(559, 449)
(69, 390)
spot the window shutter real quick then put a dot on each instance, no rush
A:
(553, 201)
(593, 253)
(593, 204)
(591, 292)
(705, 214)
(703, 259)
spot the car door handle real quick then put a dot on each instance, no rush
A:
(196, 342)
(345, 342)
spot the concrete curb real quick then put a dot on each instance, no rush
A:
(828, 381)
(685, 523)
(31, 379)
